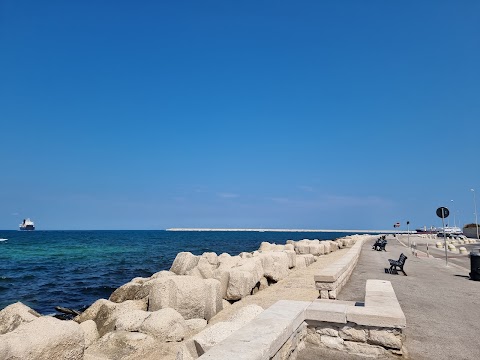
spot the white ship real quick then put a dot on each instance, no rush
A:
(27, 225)
(450, 231)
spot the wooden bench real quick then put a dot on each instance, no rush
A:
(394, 264)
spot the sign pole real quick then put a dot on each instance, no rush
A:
(443, 212)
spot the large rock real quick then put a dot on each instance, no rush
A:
(195, 325)
(240, 284)
(132, 320)
(186, 294)
(313, 247)
(243, 278)
(90, 332)
(327, 247)
(304, 260)
(137, 288)
(120, 345)
(129, 291)
(213, 298)
(161, 274)
(14, 315)
(222, 273)
(44, 338)
(203, 269)
(302, 247)
(265, 246)
(333, 245)
(105, 313)
(223, 277)
(91, 312)
(292, 258)
(184, 261)
(275, 265)
(211, 257)
(165, 325)
(245, 314)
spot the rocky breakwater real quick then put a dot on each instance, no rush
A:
(150, 317)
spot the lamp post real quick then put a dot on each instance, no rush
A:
(408, 232)
(454, 220)
(475, 206)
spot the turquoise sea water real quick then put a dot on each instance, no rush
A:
(72, 269)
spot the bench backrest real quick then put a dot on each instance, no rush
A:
(402, 258)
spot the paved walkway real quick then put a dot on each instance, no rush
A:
(441, 304)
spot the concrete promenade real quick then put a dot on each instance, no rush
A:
(441, 304)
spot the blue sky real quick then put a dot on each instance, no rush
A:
(282, 114)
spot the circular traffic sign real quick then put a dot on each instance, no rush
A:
(443, 212)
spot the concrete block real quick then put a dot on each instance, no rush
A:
(382, 317)
(276, 324)
(326, 311)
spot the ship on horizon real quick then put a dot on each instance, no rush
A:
(27, 224)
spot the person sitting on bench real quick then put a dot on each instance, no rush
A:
(380, 244)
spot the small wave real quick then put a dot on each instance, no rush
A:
(100, 291)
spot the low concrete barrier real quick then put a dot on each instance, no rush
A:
(329, 281)
(278, 333)
(375, 329)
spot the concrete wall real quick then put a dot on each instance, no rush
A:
(281, 331)
(330, 280)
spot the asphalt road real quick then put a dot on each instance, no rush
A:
(441, 304)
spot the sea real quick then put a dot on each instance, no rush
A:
(72, 269)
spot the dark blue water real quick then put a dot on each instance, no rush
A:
(72, 269)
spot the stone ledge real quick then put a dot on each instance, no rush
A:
(264, 336)
(330, 280)
(382, 317)
(327, 311)
(335, 270)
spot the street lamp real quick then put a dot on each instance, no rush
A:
(475, 206)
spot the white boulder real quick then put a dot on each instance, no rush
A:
(183, 262)
(90, 332)
(187, 295)
(165, 325)
(275, 265)
(120, 345)
(105, 313)
(14, 315)
(44, 338)
(132, 320)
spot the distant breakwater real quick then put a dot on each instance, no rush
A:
(344, 231)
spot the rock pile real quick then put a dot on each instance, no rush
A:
(167, 307)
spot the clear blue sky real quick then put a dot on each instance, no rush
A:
(283, 114)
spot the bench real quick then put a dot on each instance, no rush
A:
(394, 264)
